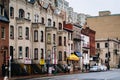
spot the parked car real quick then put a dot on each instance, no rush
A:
(95, 68)
(103, 68)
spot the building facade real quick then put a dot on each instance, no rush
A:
(4, 35)
(106, 29)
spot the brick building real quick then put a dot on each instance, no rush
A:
(4, 36)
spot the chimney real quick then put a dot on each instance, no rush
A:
(104, 13)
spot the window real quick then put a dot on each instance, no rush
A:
(27, 33)
(20, 32)
(42, 20)
(35, 36)
(71, 46)
(28, 16)
(49, 38)
(11, 32)
(1, 10)
(106, 45)
(42, 36)
(11, 12)
(49, 22)
(42, 54)
(36, 18)
(60, 41)
(98, 45)
(21, 13)
(20, 52)
(54, 24)
(54, 36)
(36, 53)
(27, 52)
(64, 41)
(60, 26)
(65, 56)
(2, 32)
(60, 56)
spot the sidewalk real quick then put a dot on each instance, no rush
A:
(43, 75)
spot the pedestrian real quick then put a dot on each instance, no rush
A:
(3, 70)
(69, 68)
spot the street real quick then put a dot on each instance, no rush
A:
(107, 75)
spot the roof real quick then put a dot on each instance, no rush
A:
(3, 18)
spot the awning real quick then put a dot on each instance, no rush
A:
(78, 54)
(73, 57)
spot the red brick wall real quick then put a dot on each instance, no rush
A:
(4, 42)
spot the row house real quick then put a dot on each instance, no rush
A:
(4, 35)
(37, 36)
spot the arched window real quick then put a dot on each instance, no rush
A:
(60, 56)
(49, 22)
(21, 13)
(42, 20)
(42, 38)
(27, 33)
(65, 56)
(11, 12)
(27, 52)
(54, 24)
(11, 32)
(64, 41)
(35, 36)
(60, 41)
(36, 53)
(60, 26)
(42, 54)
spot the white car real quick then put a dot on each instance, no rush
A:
(103, 68)
(95, 69)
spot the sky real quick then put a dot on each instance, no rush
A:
(92, 7)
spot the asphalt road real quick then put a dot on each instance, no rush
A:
(107, 75)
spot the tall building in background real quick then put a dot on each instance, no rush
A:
(107, 37)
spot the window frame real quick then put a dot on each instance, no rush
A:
(36, 54)
(20, 51)
(35, 35)
(11, 32)
(3, 32)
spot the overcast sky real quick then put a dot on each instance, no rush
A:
(92, 7)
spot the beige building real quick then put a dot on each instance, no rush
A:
(106, 26)
(37, 36)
